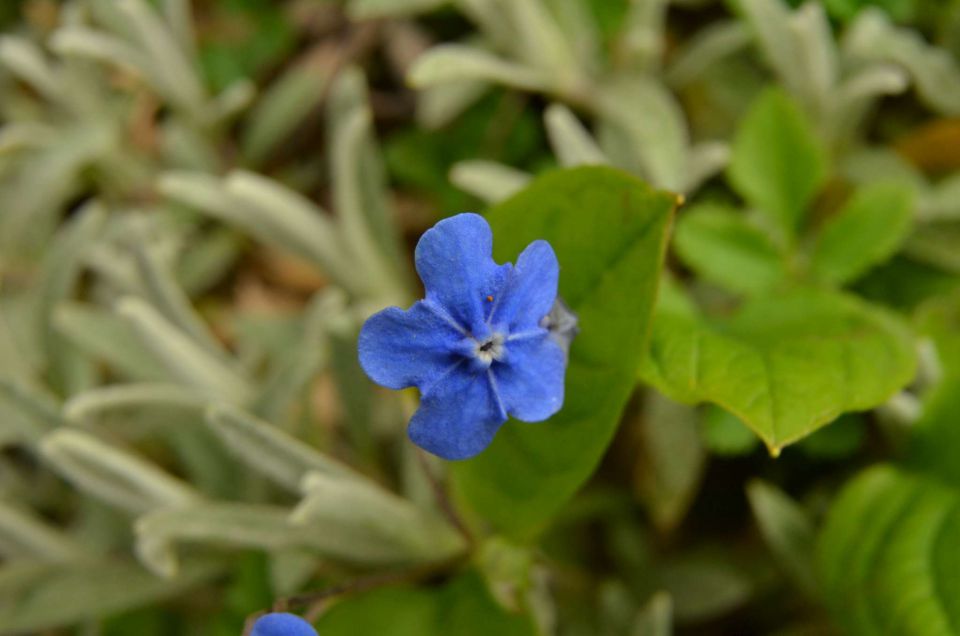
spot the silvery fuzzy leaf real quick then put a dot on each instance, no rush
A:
(26, 60)
(705, 49)
(448, 63)
(24, 535)
(116, 476)
(41, 596)
(935, 74)
(571, 141)
(88, 404)
(488, 180)
(108, 337)
(269, 450)
(185, 360)
(369, 513)
(652, 129)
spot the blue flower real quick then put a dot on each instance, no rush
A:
(280, 624)
(478, 346)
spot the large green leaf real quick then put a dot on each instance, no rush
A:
(609, 232)
(777, 164)
(785, 364)
(867, 231)
(723, 247)
(889, 556)
(463, 607)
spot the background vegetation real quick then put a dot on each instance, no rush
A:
(756, 206)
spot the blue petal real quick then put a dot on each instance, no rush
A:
(280, 624)
(454, 261)
(530, 377)
(458, 416)
(400, 348)
(530, 289)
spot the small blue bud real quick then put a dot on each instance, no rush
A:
(280, 624)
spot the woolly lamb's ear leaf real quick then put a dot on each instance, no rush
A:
(868, 230)
(572, 143)
(439, 105)
(643, 37)
(185, 360)
(785, 364)
(303, 226)
(360, 189)
(935, 73)
(706, 48)
(170, 300)
(723, 247)
(488, 180)
(267, 449)
(27, 62)
(111, 474)
(178, 17)
(107, 337)
(788, 531)
(38, 409)
(25, 536)
(609, 232)
(36, 597)
(238, 526)
(83, 406)
(167, 58)
(890, 532)
(799, 46)
(655, 140)
(543, 45)
(446, 63)
(777, 164)
(282, 108)
(399, 529)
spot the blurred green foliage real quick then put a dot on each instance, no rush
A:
(756, 205)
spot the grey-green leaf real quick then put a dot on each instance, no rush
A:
(788, 531)
(35, 597)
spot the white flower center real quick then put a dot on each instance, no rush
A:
(489, 349)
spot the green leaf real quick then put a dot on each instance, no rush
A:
(889, 555)
(667, 473)
(777, 164)
(723, 247)
(608, 231)
(35, 597)
(847, 10)
(725, 434)
(655, 618)
(788, 531)
(787, 364)
(868, 230)
(372, 9)
(463, 607)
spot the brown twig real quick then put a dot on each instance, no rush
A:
(314, 603)
(443, 501)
